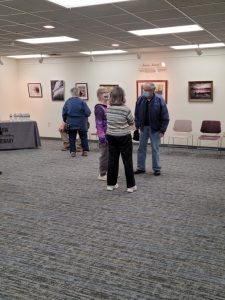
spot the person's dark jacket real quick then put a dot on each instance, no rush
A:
(158, 113)
(75, 113)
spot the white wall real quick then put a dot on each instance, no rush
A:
(9, 95)
(123, 70)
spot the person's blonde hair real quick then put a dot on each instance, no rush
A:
(117, 96)
(100, 91)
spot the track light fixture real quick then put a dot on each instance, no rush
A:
(198, 51)
(138, 55)
(92, 58)
(1, 61)
(41, 59)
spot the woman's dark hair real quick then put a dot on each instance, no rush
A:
(117, 97)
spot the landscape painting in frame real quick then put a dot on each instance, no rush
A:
(82, 90)
(109, 87)
(161, 87)
(34, 90)
(200, 91)
(57, 90)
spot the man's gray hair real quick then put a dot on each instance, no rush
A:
(150, 85)
(74, 91)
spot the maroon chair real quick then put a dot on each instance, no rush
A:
(210, 132)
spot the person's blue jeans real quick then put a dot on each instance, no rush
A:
(83, 137)
(142, 149)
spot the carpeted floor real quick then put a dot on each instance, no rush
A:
(64, 237)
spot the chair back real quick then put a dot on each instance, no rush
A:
(182, 126)
(211, 127)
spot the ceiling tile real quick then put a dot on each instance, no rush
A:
(143, 5)
(119, 19)
(160, 15)
(185, 3)
(208, 9)
(31, 5)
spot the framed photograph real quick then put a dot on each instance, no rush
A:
(109, 87)
(161, 87)
(34, 90)
(200, 91)
(83, 90)
(57, 90)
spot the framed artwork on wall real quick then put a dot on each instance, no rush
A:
(57, 90)
(34, 90)
(161, 87)
(82, 90)
(200, 91)
(109, 87)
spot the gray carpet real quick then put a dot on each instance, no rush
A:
(64, 237)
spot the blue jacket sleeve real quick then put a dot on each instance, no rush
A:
(87, 111)
(164, 117)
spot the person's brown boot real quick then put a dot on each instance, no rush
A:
(85, 153)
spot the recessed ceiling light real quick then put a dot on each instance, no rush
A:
(183, 47)
(115, 45)
(46, 40)
(166, 30)
(49, 26)
(80, 3)
(103, 52)
(28, 56)
(195, 46)
(212, 45)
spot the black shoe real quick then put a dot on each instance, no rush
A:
(139, 171)
(157, 173)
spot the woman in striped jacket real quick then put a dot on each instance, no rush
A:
(119, 120)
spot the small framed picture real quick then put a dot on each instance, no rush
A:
(34, 90)
(57, 90)
(82, 90)
(200, 91)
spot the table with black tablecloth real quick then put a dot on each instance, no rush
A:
(19, 135)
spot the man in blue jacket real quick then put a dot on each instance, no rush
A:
(75, 113)
(152, 118)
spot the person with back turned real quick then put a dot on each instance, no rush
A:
(75, 113)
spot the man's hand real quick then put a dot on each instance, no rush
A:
(161, 135)
(62, 127)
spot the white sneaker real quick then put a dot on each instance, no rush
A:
(104, 177)
(112, 187)
(132, 189)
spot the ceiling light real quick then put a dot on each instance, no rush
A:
(27, 56)
(115, 45)
(166, 30)
(46, 40)
(49, 26)
(163, 64)
(104, 52)
(183, 47)
(195, 46)
(212, 45)
(81, 3)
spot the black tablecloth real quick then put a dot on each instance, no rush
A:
(19, 135)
